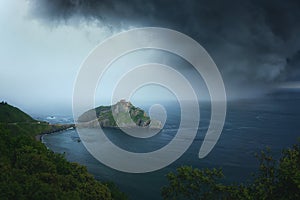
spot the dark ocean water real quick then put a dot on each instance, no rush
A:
(250, 126)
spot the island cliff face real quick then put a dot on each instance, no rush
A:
(127, 116)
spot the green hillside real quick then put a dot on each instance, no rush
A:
(105, 117)
(30, 171)
(10, 114)
(18, 122)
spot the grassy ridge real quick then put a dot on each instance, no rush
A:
(10, 114)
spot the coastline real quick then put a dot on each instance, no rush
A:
(55, 128)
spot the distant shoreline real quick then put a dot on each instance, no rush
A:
(64, 127)
(55, 128)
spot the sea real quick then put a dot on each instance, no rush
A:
(250, 126)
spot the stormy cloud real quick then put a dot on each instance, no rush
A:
(255, 44)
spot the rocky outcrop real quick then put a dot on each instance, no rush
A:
(120, 115)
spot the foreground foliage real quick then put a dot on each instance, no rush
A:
(274, 180)
(30, 171)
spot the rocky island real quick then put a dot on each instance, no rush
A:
(120, 115)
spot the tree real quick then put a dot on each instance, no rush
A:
(30, 171)
(275, 179)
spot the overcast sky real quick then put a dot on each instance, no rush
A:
(255, 44)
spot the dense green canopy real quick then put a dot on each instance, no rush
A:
(274, 180)
(30, 171)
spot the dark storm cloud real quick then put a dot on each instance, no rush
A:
(250, 41)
